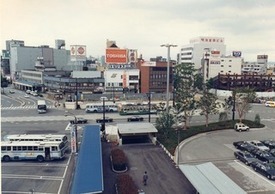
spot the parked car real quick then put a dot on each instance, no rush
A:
(264, 169)
(103, 98)
(244, 146)
(26, 96)
(272, 152)
(28, 91)
(245, 157)
(11, 91)
(259, 145)
(241, 127)
(135, 118)
(79, 120)
(107, 120)
(269, 143)
(265, 156)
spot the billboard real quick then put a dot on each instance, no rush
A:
(262, 56)
(236, 53)
(132, 55)
(149, 63)
(78, 52)
(115, 55)
(215, 53)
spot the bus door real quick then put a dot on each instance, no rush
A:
(47, 153)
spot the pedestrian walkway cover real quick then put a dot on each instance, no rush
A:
(207, 178)
(88, 177)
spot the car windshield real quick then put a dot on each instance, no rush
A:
(259, 144)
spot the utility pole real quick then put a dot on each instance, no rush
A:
(168, 73)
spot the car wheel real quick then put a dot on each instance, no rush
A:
(246, 163)
(6, 158)
(40, 158)
(268, 176)
(237, 157)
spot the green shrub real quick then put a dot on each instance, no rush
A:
(257, 119)
(119, 159)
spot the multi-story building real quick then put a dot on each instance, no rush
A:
(24, 57)
(258, 68)
(122, 79)
(194, 51)
(214, 64)
(153, 76)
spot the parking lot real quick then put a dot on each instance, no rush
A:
(217, 147)
(33, 177)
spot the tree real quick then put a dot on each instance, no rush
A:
(198, 81)
(208, 105)
(164, 123)
(243, 97)
(185, 91)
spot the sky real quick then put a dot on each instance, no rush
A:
(246, 25)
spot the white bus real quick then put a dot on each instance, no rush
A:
(38, 138)
(95, 108)
(28, 150)
(41, 106)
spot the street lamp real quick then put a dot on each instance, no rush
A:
(74, 141)
(149, 99)
(168, 72)
(177, 129)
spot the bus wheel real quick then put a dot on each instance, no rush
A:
(6, 158)
(40, 158)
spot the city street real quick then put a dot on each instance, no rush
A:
(17, 118)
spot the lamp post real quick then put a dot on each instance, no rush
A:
(168, 72)
(234, 105)
(103, 122)
(149, 99)
(74, 141)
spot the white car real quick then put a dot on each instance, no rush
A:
(103, 98)
(26, 96)
(259, 145)
(241, 127)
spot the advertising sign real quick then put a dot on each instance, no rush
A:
(115, 55)
(262, 57)
(78, 52)
(149, 63)
(73, 139)
(237, 54)
(215, 53)
(132, 56)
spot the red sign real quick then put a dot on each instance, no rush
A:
(116, 55)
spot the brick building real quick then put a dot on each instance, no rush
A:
(153, 76)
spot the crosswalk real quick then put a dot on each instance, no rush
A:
(24, 107)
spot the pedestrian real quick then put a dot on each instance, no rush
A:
(145, 178)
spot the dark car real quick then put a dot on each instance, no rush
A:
(79, 120)
(243, 146)
(107, 120)
(135, 118)
(245, 157)
(265, 156)
(265, 169)
(269, 143)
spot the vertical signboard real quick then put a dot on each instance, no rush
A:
(132, 55)
(124, 79)
(73, 139)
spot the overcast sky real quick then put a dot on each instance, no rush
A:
(246, 25)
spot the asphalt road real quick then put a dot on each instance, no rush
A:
(215, 147)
